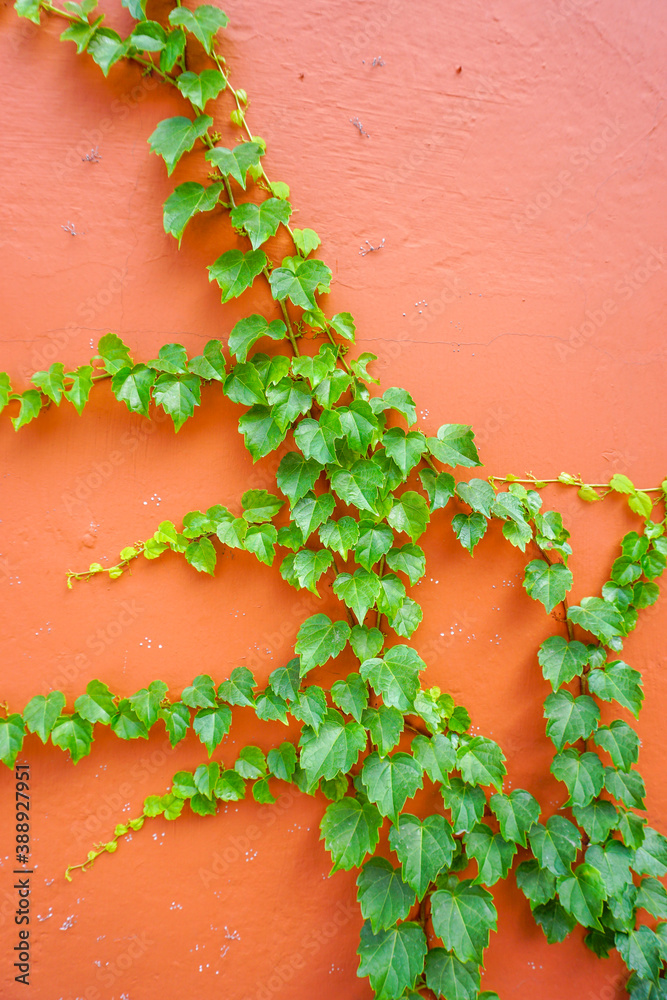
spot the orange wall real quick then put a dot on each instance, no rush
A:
(522, 204)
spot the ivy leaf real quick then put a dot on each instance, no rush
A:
(335, 747)
(626, 786)
(51, 382)
(350, 831)
(613, 863)
(175, 136)
(201, 693)
(203, 22)
(211, 724)
(210, 364)
(261, 431)
(261, 539)
(126, 724)
(201, 554)
(395, 676)
(270, 707)
(405, 449)
(236, 162)
(315, 368)
(200, 88)
(516, 813)
(297, 280)
(29, 9)
(282, 761)
(146, 702)
(409, 514)
(469, 529)
(439, 487)
(561, 661)
(147, 36)
(383, 896)
(319, 639)
(359, 591)
(113, 353)
(463, 916)
(448, 977)
(556, 844)
(493, 854)
(651, 856)
(41, 713)
(351, 695)
(454, 445)
(297, 475)
(178, 395)
(599, 617)
(436, 755)
(132, 386)
(251, 763)
(375, 540)
(235, 271)
(187, 200)
(310, 512)
(260, 222)
(340, 535)
(366, 642)
(480, 762)
(582, 893)
(620, 741)
(176, 720)
(392, 959)
(70, 732)
(390, 781)
(310, 707)
(11, 738)
(97, 704)
(82, 383)
(248, 331)
(597, 819)
(31, 404)
(570, 718)
(652, 897)
(618, 682)
(582, 773)
(424, 848)
(466, 804)
(317, 438)
(640, 950)
(408, 559)
(554, 920)
(290, 398)
(343, 323)
(547, 583)
(478, 494)
(305, 240)
(385, 726)
(80, 32)
(285, 681)
(537, 884)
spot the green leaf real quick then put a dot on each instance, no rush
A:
(465, 803)
(343, 323)
(626, 786)
(641, 503)
(358, 485)
(70, 732)
(394, 399)
(439, 487)
(537, 884)
(235, 271)
(613, 863)
(114, 353)
(174, 48)
(261, 539)
(28, 8)
(315, 368)
(261, 791)
(618, 682)
(424, 848)
(350, 831)
(261, 431)
(561, 661)
(147, 36)
(390, 781)
(107, 48)
(297, 475)
(599, 617)
(230, 786)
(408, 559)
(176, 720)
(146, 702)
(11, 739)
(409, 514)
(340, 535)
(205, 779)
(480, 762)
(82, 383)
(97, 704)
(286, 681)
(359, 590)
(290, 398)
(351, 695)
(463, 917)
(282, 761)
(582, 773)
(640, 950)
(270, 707)
(516, 813)
(454, 446)
(305, 240)
(448, 977)
(248, 331)
(405, 449)
(493, 854)
(319, 639)
(478, 494)
(126, 724)
(556, 844)
(260, 222)
(385, 726)
(310, 707)
(41, 713)
(238, 161)
(251, 763)
(132, 386)
(625, 570)
(395, 676)
(178, 395)
(651, 856)
(187, 200)
(554, 920)
(597, 819)
(260, 505)
(80, 32)
(383, 896)
(620, 741)
(317, 438)
(201, 693)
(375, 540)
(621, 484)
(335, 747)
(392, 959)
(210, 364)
(297, 280)
(570, 718)
(211, 724)
(175, 136)
(31, 404)
(203, 22)
(436, 755)
(310, 512)
(582, 893)
(469, 529)
(547, 583)
(201, 554)
(51, 382)
(199, 88)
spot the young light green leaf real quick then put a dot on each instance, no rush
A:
(211, 725)
(41, 713)
(70, 732)
(31, 404)
(203, 22)
(11, 738)
(97, 704)
(200, 88)
(175, 136)
(146, 702)
(260, 222)
(235, 271)
(547, 583)
(305, 240)
(187, 200)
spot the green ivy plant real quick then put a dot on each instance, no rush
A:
(357, 486)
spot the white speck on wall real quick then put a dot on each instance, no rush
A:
(46, 916)
(68, 923)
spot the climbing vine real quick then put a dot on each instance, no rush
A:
(357, 485)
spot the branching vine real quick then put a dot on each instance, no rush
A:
(361, 484)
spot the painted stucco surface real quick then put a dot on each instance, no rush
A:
(514, 168)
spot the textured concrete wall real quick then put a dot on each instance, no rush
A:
(514, 168)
